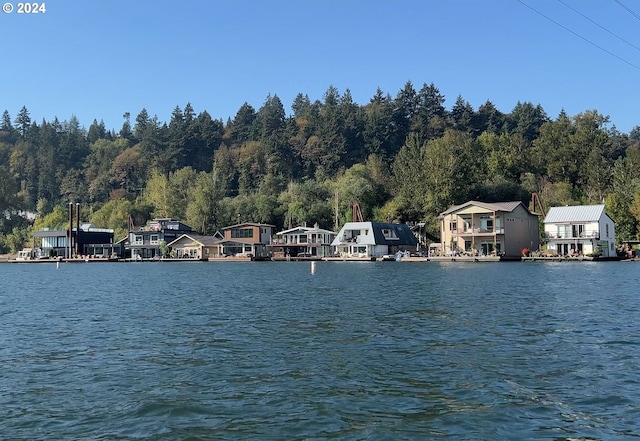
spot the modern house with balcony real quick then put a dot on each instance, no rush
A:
(302, 243)
(580, 230)
(250, 240)
(484, 229)
(87, 240)
(372, 240)
(146, 242)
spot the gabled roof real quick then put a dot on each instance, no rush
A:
(202, 240)
(402, 231)
(303, 229)
(375, 236)
(489, 206)
(248, 224)
(575, 213)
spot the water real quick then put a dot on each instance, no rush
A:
(356, 351)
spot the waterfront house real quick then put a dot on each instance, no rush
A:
(481, 228)
(194, 246)
(580, 230)
(148, 242)
(247, 239)
(373, 240)
(86, 240)
(302, 242)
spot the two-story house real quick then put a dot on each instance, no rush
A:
(247, 239)
(480, 228)
(302, 242)
(87, 239)
(372, 240)
(580, 230)
(146, 242)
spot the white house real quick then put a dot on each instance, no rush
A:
(580, 230)
(373, 239)
(303, 241)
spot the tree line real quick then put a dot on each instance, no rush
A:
(401, 158)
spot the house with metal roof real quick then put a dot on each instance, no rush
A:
(483, 229)
(371, 240)
(580, 230)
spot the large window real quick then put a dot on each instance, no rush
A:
(137, 240)
(155, 239)
(242, 233)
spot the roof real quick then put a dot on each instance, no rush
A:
(248, 224)
(575, 213)
(314, 229)
(374, 235)
(202, 240)
(489, 206)
(402, 231)
(63, 233)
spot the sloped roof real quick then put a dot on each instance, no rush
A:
(575, 213)
(304, 229)
(404, 233)
(489, 206)
(374, 234)
(248, 224)
(203, 240)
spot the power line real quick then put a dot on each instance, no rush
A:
(579, 36)
(601, 27)
(629, 10)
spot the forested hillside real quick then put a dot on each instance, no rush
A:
(402, 158)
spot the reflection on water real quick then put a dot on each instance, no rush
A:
(389, 350)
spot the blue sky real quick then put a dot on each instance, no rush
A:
(101, 58)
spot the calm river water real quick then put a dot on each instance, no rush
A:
(356, 351)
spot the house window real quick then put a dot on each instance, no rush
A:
(303, 238)
(242, 233)
(389, 233)
(155, 239)
(453, 226)
(607, 230)
(137, 239)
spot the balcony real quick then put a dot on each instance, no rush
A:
(573, 236)
(478, 231)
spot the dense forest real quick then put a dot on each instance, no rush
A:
(405, 158)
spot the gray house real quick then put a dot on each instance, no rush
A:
(373, 240)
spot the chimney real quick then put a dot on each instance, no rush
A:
(70, 234)
(77, 229)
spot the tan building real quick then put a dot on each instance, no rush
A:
(194, 246)
(479, 228)
(247, 240)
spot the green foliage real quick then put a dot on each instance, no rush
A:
(57, 219)
(14, 241)
(405, 158)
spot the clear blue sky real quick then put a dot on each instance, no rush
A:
(101, 58)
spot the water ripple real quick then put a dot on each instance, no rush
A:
(356, 351)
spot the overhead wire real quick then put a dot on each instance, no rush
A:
(578, 35)
(629, 10)
(600, 26)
